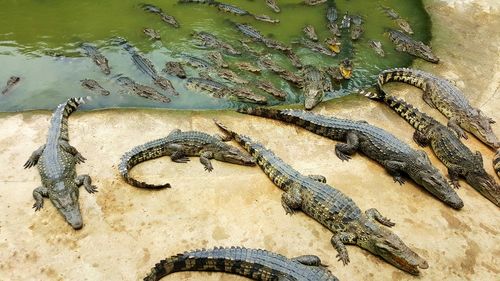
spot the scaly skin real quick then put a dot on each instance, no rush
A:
(164, 17)
(175, 69)
(317, 47)
(231, 9)
(179, 146)
(13, 80)
(97, 57)
(496, 162)
(94, 86)
(447, 147)
(147, 67)
(396, 156)
(310, 32)
(152, 34)
(219, 90)
(211, 41)
(405, 43)
(252, 263)
(449, 100)
(142, 90)
(313, 86)
(332, 209)
(56, 162)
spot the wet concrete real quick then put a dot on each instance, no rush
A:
(127, 230)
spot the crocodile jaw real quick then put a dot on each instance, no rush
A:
(65, 199)
(485, 185)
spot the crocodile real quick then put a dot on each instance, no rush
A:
(356, 32)
(402, 23)
(247, 95)
(345, 68)
(175, 69)
(287, 75)
(231, 76)
(334, 73)
(313, 86)
(100, 60)
(310, 32)
(247, 66)
(273, 5)
(496, 162)
(317, 47)
(13, 80)
(164, 17)
(255, 264)
(151, 33)
(219, 90)
(228, 8)
(56, 161)
(405, 43)
(314, 2)
(265, 18)
(346, 21)
(249, 31)
(397, 157)
(331, 14)
(196, 62)
(217, 59)
(211, 41)
(294, 59)
(142, 90)
(333, 44)
(458, 158)
(333, 209)
(179, 146)
(269, 88)
(94, 86)
(377, 47)
(441, 94)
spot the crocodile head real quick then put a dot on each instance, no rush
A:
(478, 178)
(312, 98)
(425, 52)
(64, 196)
(480, 126)
(231, 154)
(426, 175)
(382, 242)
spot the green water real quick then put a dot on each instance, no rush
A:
(39, 42)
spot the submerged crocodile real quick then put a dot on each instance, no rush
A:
(273, 5)
(269, 88)
(100, 60)
(332, 209)
(56, 161)
(94, 86)
(496, 162)
(402, 23)
(13, 80)
(460, 161)
(310, 32)
(175, 69)
(228, 8)
(152, 34)
(142, 90)
(179, 146)
(164, 17)
(447, 98)
(405, 43)
(147, 67)
(219, 90)
(317, 47)
(252, 263)
(211, 41)
(394, 155)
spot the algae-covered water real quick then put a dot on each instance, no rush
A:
(39, 42)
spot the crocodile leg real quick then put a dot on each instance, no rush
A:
(345, 150)
(179, 157)
(38, 194)
(421, 139)
(310, 260)
(223, 137)
(339, 240)
(394, 168)
(454, 177)
(86, 181)
(454, 125)
(205, 157)
(374, 214)
(72, 150)
(291, 200)
(319, 178)
(34, 157)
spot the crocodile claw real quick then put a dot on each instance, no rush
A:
(344, 258)
(30, 163)
(209, 169)
(91, 188)
(182, 160)
(342, 156)
(38, 205)
(399, 179)
(79, 158)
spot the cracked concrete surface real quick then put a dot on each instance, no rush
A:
(128, 230)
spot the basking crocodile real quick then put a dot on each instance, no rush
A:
(310, 32)
(97, 57)
(211, 41)
(313, 87)
(332, 209)
(447, 98)
(273, 5)
(395, 156)
(94, 86)
(405, 43)
(142, 90)
(175, 69)
(13, 80)
(56, 161)
(219, 90)
(496, 162)
(252, 263)
(460, 161)
(179, 146)
(164, 17)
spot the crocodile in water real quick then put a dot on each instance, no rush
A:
(13, 80)
(94, 86)
(142, 90)
(393, 154)
(209, 40)
(441, 94)
(56, 161)
(255, 264)
(179, 146)
(164, 17)
(97, 57)
(333, 209)
(405, 43)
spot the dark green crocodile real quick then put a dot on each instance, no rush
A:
(56, 161)
(179, 146)
(255, 264)
(405, 43)
(441, 94)
(461, 162)
(333, 209)
(100, 60)
(142, 90)
(394, 155)
(496, 162)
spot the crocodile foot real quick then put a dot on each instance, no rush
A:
(399, 179)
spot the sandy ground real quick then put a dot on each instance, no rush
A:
(127, 230)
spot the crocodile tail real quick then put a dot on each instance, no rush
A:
(59, 119)
(261, 111)
(410, 76)
(132, 158)
(496, 162)
(209, 2)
